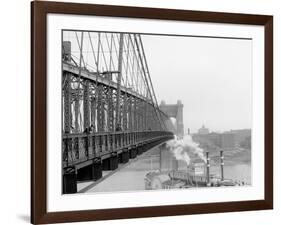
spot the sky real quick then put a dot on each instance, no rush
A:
(211, 76)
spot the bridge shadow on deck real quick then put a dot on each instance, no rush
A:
(99, 169)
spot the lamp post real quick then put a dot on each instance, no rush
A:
(208, 169)
(222, 164)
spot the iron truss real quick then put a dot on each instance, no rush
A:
(109, 103)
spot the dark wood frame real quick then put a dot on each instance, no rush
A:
(39, 11)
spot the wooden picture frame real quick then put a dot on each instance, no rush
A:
(39, 11)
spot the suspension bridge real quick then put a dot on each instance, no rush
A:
(110, 110)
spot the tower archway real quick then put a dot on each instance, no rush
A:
(176, 111)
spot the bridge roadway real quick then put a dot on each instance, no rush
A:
(134, 171)
(85, 156)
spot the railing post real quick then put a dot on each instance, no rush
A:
(93, 112)
(86, 145)
(65, 151)
(76, 112)
(125, 112)
(76, 147)
(130, 113)
(99, 109)
(94, 145)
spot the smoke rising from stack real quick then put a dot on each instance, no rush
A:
(181, 149)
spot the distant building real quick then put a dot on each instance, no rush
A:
(241, 135)
(203, 130)
(215, 140)
(210, 141)
(227, 140)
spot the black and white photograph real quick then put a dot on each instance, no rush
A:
(121, 112)
(144, 112)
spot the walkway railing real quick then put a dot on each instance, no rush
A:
(78, 148)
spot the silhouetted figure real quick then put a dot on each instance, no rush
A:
(118, 127)
(92, 129)
(87, 130)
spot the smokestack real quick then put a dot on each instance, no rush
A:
(222, 164)
(208, 169)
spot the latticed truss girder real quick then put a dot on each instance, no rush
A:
(107, 85)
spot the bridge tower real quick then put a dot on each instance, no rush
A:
(176, 111)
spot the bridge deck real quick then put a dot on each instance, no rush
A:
(80, 149)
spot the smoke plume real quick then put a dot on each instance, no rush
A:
(181, 149)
